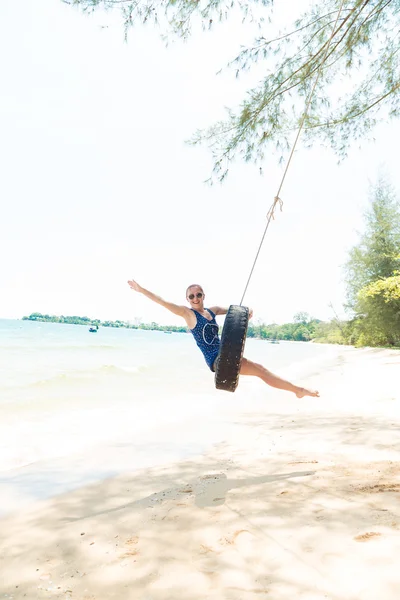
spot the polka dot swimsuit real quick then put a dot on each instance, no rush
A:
(206, 335)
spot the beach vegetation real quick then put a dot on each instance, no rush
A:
(373, 272)
(296, 331)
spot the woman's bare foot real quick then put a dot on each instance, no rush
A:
(304, 392)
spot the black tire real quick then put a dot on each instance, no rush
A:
(232, 346)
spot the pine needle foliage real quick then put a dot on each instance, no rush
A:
(359, 82)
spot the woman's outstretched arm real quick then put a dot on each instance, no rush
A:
(181, 311)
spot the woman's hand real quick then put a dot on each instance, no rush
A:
(134, 286)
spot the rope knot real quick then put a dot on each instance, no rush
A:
(271, 212)
(276, 200)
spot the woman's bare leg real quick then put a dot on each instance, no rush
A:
(249, 367)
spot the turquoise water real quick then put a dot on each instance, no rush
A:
(36, 354)
(76, 406)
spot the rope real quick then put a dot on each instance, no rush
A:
(271, 212)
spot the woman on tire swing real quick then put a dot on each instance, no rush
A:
(202, 324)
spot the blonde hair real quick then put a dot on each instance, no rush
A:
(193, 285)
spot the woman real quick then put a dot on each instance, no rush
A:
(202, 324)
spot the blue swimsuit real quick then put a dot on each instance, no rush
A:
(206, 335)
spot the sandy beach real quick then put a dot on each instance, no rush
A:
(299, 499)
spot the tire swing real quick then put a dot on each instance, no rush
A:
(233, 339)
(234, 332)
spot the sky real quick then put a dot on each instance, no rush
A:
(98, 184)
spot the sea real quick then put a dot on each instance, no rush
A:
(76, 407)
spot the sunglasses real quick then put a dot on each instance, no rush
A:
(198, 295)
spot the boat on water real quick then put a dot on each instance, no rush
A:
(94, 329)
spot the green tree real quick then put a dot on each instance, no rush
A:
(352, 44)
(302, 317)
(379, 302)
(376, 256)
(372, 272)
(332, 332)
(301, 334)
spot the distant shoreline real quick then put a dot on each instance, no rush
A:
(75, 320)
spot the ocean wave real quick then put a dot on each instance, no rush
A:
(60, 346)
(83, 375)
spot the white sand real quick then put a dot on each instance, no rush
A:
(299, 500)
